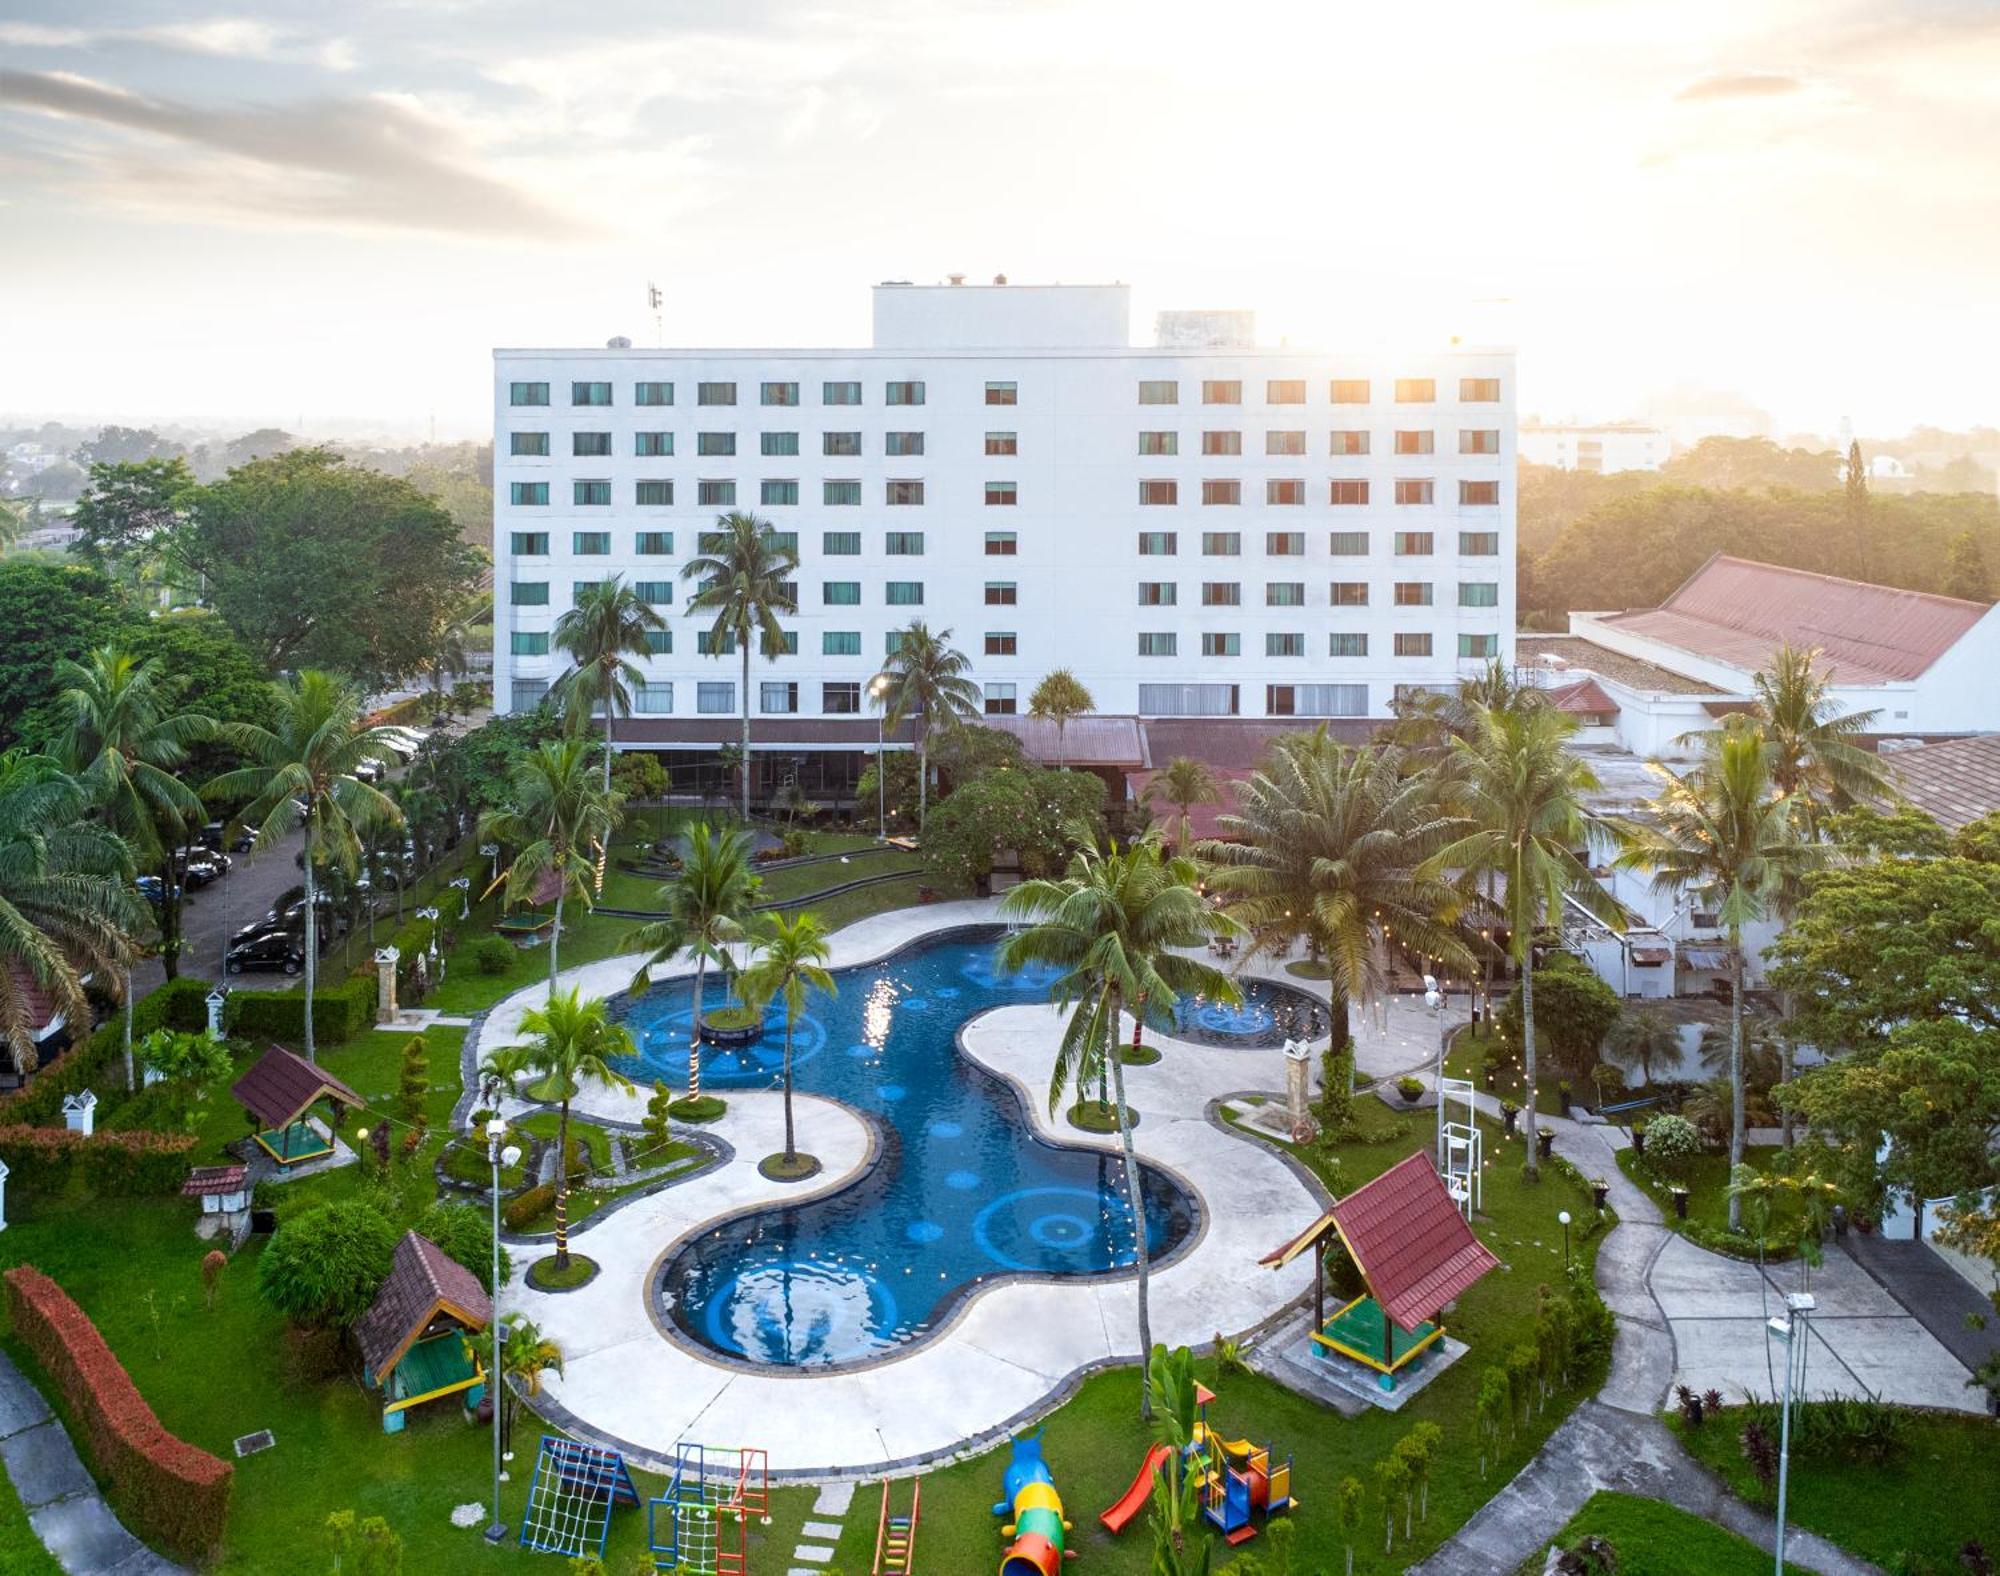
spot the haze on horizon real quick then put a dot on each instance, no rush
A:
(334, 212)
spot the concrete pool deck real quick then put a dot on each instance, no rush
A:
(1010, 1352)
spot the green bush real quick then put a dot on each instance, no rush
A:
(323, 1268)
(526, 1207)
(340, 1012)
(493, 955)
(44, 1159)
(465, 1233)
(1671, 1142)
(733, 1018)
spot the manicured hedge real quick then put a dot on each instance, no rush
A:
(98, 1063)
(45, 1158)
(165, 1488)
(528, 1205)
(341, 1010)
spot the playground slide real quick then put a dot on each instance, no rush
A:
(1038, 1530)
(1134, 1498)
(1234, 1449)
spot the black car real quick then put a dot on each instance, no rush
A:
(272, 949)
(212, 838)
(154, 890)
(370, 771)
(203, 866)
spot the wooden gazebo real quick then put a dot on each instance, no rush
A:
(417, 1339)
(278, 1093)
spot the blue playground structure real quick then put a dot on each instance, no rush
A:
(701, 1525)
(571, 1496)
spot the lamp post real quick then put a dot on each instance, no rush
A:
(1434, 999)
(1791, 1332)
(496, 1129)
(463, 885)
(1563, 1216)
(491, 851)
(878, 690)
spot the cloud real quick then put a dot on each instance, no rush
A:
(373, 161)
(227, 37)
(1739, 85)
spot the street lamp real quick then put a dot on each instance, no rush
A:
(1791, 1332)
(496, 1129)
(1563, 1216)
(878, 690)
(1434, 999)
(463, 885)
(491, 851)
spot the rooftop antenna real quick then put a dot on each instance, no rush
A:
(653, 301)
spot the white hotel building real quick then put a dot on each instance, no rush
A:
(1201, 528)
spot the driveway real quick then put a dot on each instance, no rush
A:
(214, 914)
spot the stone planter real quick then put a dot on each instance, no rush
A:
(1544, 1142)
(731, 1037)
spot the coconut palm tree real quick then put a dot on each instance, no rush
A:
(708, 907)
(927, 680)
(1059, 697)
(67, 907)
(1112, 925)
(790, 962)
(525, 1355)
(1183, 783)
(1643, 1041)
(126, 744)
(1725, 834)
(300, 773)
(560, 821)
(1810, 740)
(1524, 820)
(569, 1047)
(743, 583)
(601, 634)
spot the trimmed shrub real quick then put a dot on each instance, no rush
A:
(44, 1159)
(493, 955)
(323, 1268)
(340, 1012)
(465, 1233)
(1672, 1141)
(528, 1205)
(164, 1487)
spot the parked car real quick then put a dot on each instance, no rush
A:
(203, 866)
(271, 949)
(370, 771)
(154, 890)
(212, 838)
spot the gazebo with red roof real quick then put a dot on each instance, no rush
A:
(416, 1339)
(278, 1093)
(1415, 1253)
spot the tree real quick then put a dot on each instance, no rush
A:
(121, 445)
(413, 1082)
(464, 1233)
(1574, 1011)
(1810, 741)
(1350, 1502)
(1112, 926)
(131, 510)
(300, 772)
(452, 642)
(1176, 1515)
(789, 963)
(605, 629)
(1059, 697)
(1854, 505)
(1523, 794)
(525, 1356)
(1041, 815)
(658, 1123)
(321, 1269)
(743, 584)
(569, 1046)
(707, 907)
(1183, 782)
(1725, 835)
(927, 680)
(1643, 1040)
(1965, 569)
(1904, 832)
(186, 1065)
(51, 613)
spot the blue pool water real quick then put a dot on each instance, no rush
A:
(962, 1192)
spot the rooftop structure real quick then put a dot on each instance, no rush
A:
(1954, 781)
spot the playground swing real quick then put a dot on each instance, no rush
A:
(571, 1497)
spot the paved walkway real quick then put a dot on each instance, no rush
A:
(63, 1504)
(1943, 1300)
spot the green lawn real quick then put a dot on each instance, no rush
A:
(21, 1552)
(596, 1142)
(1706, 1177)
(1655, 1539)
(1913, 1512)
(1465, 1057)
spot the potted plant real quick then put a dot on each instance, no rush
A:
(1509, 1111)
(1545, 1138)
(1410, 1088)
(1600, 1190)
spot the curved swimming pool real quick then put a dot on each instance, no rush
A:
(960, 1194)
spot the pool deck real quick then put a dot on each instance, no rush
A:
(1011, 1352)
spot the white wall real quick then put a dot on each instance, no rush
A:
(1010, 317)
(1958, 693)
(1602, 449)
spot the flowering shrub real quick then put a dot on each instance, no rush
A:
(1672, 1141)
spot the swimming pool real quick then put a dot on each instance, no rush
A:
(961, 1192)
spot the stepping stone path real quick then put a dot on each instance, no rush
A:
(821, 1532)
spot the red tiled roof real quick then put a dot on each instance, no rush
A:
(1409, 1241)
(424, 1283)
(1737, 612)
(1203, 819)
(1955, 781)
(1585, 697)
(279, 1088)
(1241, 741)
(38, 1007)
(1087, 741)
(548, 886)
(204, 1180)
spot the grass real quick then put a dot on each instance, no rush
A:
(596, 1142)
(1913, 1512)
(1309, 969)
(467, 1162)
(1465, 1057)
(731, 1018)
(1087, 1116)
(587, 1201)
(708, 1108)
(544, 1276)
(21, 1552)
(1655, 1539)
(1706, 1177)
(775, 1168)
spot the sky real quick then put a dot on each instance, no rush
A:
(331, 212)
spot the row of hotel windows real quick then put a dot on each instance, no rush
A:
(1006, 643)
(901, 445)
(1007, 593)
(1006, 544)
(780, 492)
(1152, 391)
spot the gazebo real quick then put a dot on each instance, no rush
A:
(1415, 1253)
(278, 1093)
(417, 1339)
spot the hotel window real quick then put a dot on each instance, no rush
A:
(715, 495)
(1001, 494)
(1221, 593)
(530, 643)
(715, 443)
(590, 544)
(1413, 645)
(1349, 442)
(1159, 492)
(1001, 544)
(655, 544)
(530, 693)
(1474, 494)
(779, 393)
(1163, 643)
(590, 393)
(1479, 593)
(785, 542)
(1222, 391)
(1002, 643)
(1284, 443)
(904, 393)
(901, 445)
(904, 593)
(1158, 593)
(1284, 644)
(1348, 593)
(777, 697)
(1002, 443)
(840, 699)
(1281, 491)
(527, 393)
(1285, 593)
(840, 593)
(1415, 544)
(1002, 593)
(590, 445)
(528, 445)
(653, 445)
(1159, 443)
(1479, 440)
(1285, 391)
(1222, 443)
(1000, 700)
(1159, 391)
(579, 589)
(840, 445)
(1347, 544)
(652, 393)
(715, 394)
(779, 445)
(1349, 391)
(1478, 391)
(840, 643)
(653, 699)
(1221, 645)
(1413, 593)
(840, 393)
(1158, 544)
(1348, 492)
(531, 544)
(892, 642)
(659, 642)
(1487, 646)
(840, 544)
(837, 495)
(653, 495)
(1415, 489)
(1479, 544)
(590, 494)
(1416, 391)
(772, 492)
(1285, 544)
(904, 492)
(712, 698)
(904, 544)
(1002, 394)
(528, 492)
(1316, 700)
(654, 593)
(1221, 544)
(1188, 700)
(1347, 643)
(1221, 492)
(529, 593)
(1424, 442)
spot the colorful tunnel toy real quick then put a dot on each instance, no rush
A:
(1038, 1529)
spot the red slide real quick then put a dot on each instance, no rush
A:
(1116, 1518)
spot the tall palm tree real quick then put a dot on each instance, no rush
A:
(707, 907)
(927, 680)
(1523, 795)
(790, 961)
(1641, 1041)
(451, 646)
(525, 1355)
(1112, 925)
(743, 582)
(559, 822)
(300, 772)
(1725, 834)
(1059, 697)
(126, 745)
(569, 1047)
(1810, 740)
(1183, 783)
(67, 907)
(601, 634)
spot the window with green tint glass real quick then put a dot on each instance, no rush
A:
(715, 443)
(903, 491)
(781, 445)
(1414, 544)
(1478, 544)
(841, 593)
(840, 495)
(1159, 391)
(705, 644)
(529, 593)
(1158, 544)
(840, 643)
(528, 492)
(1158, 643)
(527, 393)
(840, 544)
(840, 393)
(659, 642)
(788, 643)
(715, 495)
(785, 542)
(779, 393)
(1159, 443)
(715, 394)
(1221, 544)
(533, 445)
(590, 393)
(654, 593)
(530, 643)
(840, 445)
(652, 393)
(653, 495)
(579, 589)
(1479, 645)
(777, 493)
(1285, 544)
(531, 544)
(904, 544)
(653, 445)
(1222, 645)
(593, 494)
(590, 544)
(892, 642)
(1347, 643)
(904, 393)
(714, 696)
(1221, 593)
(1284, 593)
(841, 698)
(1479, 593)
(900, 445)
(1278, 644)
(590, 445)
(904, 593)
(1347, 544)
(1158, 593)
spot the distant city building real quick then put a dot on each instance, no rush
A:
(1612, 446)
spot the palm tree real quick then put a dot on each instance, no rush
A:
(561, 818)
(451, 648)
(525, 1355)
(67, 907)
(1810, 741)
(927, 680)
(1111, 925)
(1725, 834)
(300, 772)
(1643, 1040)
(1059, 697)
(1183, 783)
(570, 1046)
(744, 581)
(1524, 822)
(791, 960)
(126, 746)
(707, 907)
(600, 634)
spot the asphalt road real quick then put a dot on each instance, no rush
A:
(215, 913)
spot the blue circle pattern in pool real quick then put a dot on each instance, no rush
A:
(962, 1192)
(1271, 1013)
